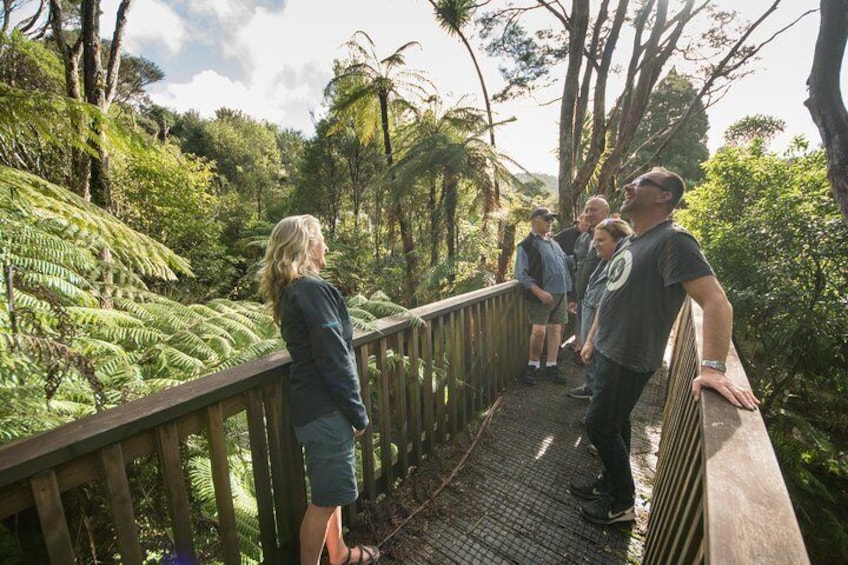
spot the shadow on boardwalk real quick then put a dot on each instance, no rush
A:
(510, 502)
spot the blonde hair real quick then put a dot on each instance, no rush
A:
(288, 257)
(616, 227)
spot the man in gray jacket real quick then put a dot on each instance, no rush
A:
(542, 268)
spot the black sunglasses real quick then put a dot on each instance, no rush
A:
(645, 181)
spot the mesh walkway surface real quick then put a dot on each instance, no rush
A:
(510, 502)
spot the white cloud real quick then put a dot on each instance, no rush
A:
(208, 91)
(149, 22)
(224, 10)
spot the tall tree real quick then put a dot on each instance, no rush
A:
(363, 79)
(586, 38)
(446, 145)
(454, 16)
(33, 26)
(98, 88)
(825, 103)
(672, 97)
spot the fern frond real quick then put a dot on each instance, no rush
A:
(101, 316)
(193, 345)
(249, 353)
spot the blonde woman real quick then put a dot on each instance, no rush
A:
(325, 401)
(609, 234)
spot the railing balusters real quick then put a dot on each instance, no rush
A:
(400, 411)
(261, 475)
(439, 396)
(384, 407)
(51, 513)
(172, 475)
(470, 348)
(221, 480)
(414, 386)
(369, 477)
(427, 389)
(120, 502)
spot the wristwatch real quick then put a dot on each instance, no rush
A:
(715, 365)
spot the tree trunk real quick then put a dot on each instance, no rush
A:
(567, 114)
(80, 161)
(507, 248)
(450, 215)
(99, 89)
(825, 102)
(397, 209)
(94, 95)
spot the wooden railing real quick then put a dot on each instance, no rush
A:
(453, 366)
(719, 496)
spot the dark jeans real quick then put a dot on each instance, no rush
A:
(617, 389)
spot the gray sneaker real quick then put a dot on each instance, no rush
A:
(581, 392)
(588, 489)
(606, 511)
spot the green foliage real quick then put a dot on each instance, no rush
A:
(779, 245)
(688, 149)
(168, 195)
(750, 128)
(80, 323)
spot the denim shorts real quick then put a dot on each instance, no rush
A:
(330, 459)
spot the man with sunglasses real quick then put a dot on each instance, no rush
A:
(543, 270)
(649, 277)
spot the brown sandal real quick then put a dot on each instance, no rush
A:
(368, 554)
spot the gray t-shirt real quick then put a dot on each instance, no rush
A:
(644, 294)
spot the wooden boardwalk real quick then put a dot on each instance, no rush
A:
(510, 502)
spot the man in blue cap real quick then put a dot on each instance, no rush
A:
(542, 268)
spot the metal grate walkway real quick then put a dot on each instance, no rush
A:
(510, 502)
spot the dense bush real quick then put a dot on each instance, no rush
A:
(778, 243)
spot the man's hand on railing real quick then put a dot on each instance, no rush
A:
(709, 378)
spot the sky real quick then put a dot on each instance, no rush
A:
(272, 58)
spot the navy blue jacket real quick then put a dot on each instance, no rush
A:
(316, 327)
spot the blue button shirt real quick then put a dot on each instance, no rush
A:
(557, 279)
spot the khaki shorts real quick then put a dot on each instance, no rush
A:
(548, 314)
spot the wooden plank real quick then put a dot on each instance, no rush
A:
(495, 366)
(748, 512)
(273, 396)
(461, 357)
(294, 478)
(223, 489)
(261, 475)
(51, 513)
(177, 494)
(451, 387)
(427, 389)
(400, 408)
(415, 386)
(481, 371)
(384, 407)
(120, 503)
(367, 438)
(439, 394)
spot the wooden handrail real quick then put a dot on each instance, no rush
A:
(412, 411)
(719, 496)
